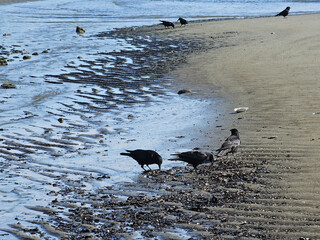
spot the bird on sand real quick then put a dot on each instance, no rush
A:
(144, 157)
(284, 13)
(167, 24)
(182, 21)
(230, 145)
(194, 158)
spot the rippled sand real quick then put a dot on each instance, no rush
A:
(272, 68)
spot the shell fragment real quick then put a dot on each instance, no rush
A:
(241, 109)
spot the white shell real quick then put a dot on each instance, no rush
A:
(241, 109)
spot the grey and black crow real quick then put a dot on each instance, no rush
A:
(230, 145)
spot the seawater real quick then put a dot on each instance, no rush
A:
(40, 155)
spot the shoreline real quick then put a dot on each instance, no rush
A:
(267, 190)
(254, 58)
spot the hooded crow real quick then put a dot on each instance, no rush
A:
(230, 145)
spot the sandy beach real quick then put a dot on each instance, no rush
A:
(268, 190)
(270, 65)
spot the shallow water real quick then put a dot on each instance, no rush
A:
(70, 117)
(80, 100)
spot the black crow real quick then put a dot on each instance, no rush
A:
(284, 13)
(167, 24)
(144, 157)
(194, 158)
(230, 145)
(182, 21)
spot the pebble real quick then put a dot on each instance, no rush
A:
(80, 30)
(8, 85)
(182, 91)
(25, 57)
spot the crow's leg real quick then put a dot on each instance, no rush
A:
(143, 168)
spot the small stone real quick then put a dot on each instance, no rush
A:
(3, 62)
(273, 137)
(80, 30)
(8, 85)
(60, 120)
(213, 199)
(35, 53)
(25, 57)
(182, 91)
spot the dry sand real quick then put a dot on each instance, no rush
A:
(270, 65)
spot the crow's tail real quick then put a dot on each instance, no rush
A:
(125, 153)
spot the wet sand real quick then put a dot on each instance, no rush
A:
(14, 1)
(269, 190)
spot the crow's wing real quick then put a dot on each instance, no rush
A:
(193, 155)
(190, 156)
(229, 144)
(282, 13)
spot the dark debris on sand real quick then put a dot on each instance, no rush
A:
(162, 202)
(154, 56)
